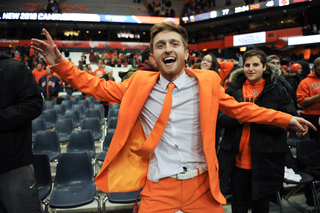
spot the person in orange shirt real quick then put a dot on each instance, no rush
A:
(39, 72)
(308, 96)
(100, 71)
(252, 155)
(175, 161)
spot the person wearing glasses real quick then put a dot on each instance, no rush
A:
(209, 62)
(223, 68)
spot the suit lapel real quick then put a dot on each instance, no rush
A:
(143, 92)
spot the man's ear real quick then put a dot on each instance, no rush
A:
(265, 67)
(186, 55)
(151, 57)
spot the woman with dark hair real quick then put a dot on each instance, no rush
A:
(209, 62)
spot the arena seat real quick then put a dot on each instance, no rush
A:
(43, 176)
(74, 182)
(47, 142)
(38, 124)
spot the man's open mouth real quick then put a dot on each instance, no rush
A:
(169, 60)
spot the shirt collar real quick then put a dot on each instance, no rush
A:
(179, 82)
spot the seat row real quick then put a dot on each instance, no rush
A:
(64, 127)
(74, 183)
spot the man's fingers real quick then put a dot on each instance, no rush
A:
(37, 49)
(312, 126)
(307, 129)
(38, 43)
(48, 36)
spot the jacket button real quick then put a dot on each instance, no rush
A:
(176, 146)
(107, 161)
(119, 145)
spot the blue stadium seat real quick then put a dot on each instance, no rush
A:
(74, 182)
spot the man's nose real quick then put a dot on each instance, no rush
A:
(168, 48)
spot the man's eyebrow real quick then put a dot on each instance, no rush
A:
(170, 40)
(160, 41)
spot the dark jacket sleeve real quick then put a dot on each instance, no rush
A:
(225, 121)
(26, 104)
(57, 88)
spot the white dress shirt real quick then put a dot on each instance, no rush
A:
(181, 143)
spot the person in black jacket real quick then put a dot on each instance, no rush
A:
(252, 155)
(21, 102)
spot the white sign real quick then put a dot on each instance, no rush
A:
(251, 38)
(304, 40)
(283, 3)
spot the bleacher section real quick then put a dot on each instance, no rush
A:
(75, 57)
(116, 7)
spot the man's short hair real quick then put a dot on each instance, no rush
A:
(145, 54)
(170, 26)
(259, 53)
(316, 63)
(272, 57)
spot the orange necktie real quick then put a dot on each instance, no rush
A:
(156, 133)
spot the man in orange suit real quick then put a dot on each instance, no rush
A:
(179, 171)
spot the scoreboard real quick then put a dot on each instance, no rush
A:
(239, 9)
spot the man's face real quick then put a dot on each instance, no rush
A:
(299, 71)
(275, 62)
(206, 63)
(48, 70)
(39, 66)
(253, 69)
(169, 54)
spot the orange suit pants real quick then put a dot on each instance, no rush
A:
(170, 195)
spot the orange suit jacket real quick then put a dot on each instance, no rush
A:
(124, 171)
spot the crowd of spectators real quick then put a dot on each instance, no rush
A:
(162, 9)
(53, 7)
(113, 58)
(197, 7)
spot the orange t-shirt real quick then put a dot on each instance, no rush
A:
(99, 72)
(38, 74)
(250, 91)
